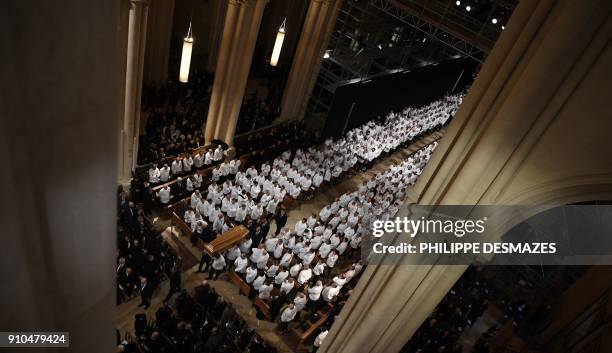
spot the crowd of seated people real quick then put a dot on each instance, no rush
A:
(310, 270)
(143, 258)
(374, 138)
(175, 116)
(187, 182)
(467, 301)
(201, 323)
(316, 165)
(184, 186)
(254, 193)
(282, 269)
(256, 113)
(183, 165)
(251, 194)
(287, 259)
(305, 260)
(159, 186)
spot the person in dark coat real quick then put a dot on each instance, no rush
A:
(277, 303)
(140, 324)
(280, 219)
(265, 227)
(148, 202)
(175, 282)
(130, 217)
(257, 237)
(146, 292)
(201, 293)
(205, 261)
(177, 189)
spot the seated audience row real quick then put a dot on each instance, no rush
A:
(143, 193)
(175, 117)
(183, 165)
(194, 182)
(374, 138)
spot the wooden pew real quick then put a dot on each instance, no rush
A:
(238, 282)
(206, 180)
(224, 241)
(177, 206)
(263, 306)
(302, 335)
(245, 289)
(167, 210)
(204, 172)
(178, 221)
(142, 169)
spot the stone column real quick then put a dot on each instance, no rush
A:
(137, 32)
(507, 144)
(121, 62)
(159, 32)
(241, 27)
(219, 83)
(249, 39)
(318, 26)
(218, 9)
(58, 181)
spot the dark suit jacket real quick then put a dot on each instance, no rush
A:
(265, 229)
(175, 279)
(281, 220)
(147, 291)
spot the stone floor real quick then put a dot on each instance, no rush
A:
(190, 279)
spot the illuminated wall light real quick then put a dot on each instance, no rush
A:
(503, 27)
(468, 8)
(494, 21)
(278, 44)
(326, 55)
(186, 56)
(458, 3)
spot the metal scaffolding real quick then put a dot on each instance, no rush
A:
(377, 37)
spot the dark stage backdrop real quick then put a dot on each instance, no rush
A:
(394, 92)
